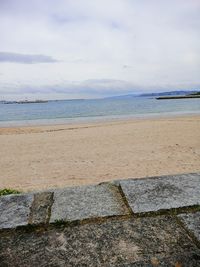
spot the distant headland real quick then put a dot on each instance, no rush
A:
(192, 95)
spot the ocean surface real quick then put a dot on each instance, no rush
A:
(70, 111)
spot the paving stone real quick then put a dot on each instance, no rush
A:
(162, 193)
(14, 210)
(41, 208)
(192, 222)
(132, 242)
(84, 202)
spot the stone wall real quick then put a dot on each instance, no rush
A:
(136, 222)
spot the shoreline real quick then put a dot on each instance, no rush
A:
(95, 120)
(32, 128)
(54, 156)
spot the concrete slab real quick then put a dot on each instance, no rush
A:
(78, 203)
(132, 242)
(162, 193)
(15, 210)
(192, 222)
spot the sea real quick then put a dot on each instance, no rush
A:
(92, 110)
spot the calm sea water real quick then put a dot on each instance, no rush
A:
(69, 111)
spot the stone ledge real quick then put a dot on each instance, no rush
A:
(119, 198)
(15, 210)
(162, 193)
(192, 223)
(132, 242)
(78, 203)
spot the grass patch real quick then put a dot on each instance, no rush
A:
(196, 93)
(8, 191)
(60, 222)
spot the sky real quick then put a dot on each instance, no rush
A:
(67, 49)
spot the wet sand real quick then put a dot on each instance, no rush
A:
(41, 157)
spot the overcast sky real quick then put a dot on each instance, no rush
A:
(96, 48)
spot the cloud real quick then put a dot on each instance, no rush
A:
(26, 59)
(145, 44)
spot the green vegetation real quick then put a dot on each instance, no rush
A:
(59, 222)
(8, 191)
(197, 93)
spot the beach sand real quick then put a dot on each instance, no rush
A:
(41, 157)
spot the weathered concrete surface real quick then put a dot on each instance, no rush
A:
(41, 208)
(104, 200)
(14, 210)
(162, 193)
(78, 203)
(192, 222)
(106, 238)
(132, 242)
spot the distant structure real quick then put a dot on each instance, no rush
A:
(25, 102)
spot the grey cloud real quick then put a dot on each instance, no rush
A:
(126, 66)
(25, 58)
(93, 87)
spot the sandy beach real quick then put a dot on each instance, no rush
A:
(41, 157)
